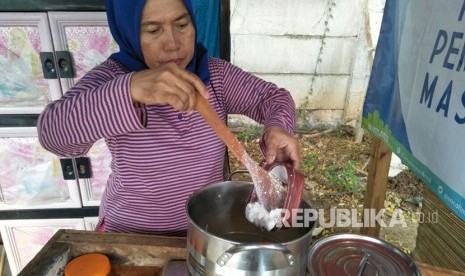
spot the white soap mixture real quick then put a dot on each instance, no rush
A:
(257, 214)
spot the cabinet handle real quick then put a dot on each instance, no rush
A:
(83, 167)
(67, 168)
(65, 66)
(48, 65)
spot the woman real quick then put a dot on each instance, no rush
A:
(142, 101)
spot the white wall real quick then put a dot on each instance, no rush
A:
(317, 49)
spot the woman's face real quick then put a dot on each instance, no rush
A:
(167, 33)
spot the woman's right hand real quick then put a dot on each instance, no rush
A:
(168, 84)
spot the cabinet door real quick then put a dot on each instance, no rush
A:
(23, 88)
(88, 39)
(86, 36)
(90, 223)
(92, 188)
(31, 177)
(23, 239)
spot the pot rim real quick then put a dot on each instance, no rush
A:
(203, 231)
(364, 240)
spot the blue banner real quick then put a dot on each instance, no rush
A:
(415, 101)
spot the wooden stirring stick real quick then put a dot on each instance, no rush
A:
(269, 192)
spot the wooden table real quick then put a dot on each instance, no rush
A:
(130, 254)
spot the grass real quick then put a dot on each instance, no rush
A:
(250, 134)
(343, 177)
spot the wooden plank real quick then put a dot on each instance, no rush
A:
(148, 252)
(119, 270)
(375, 193)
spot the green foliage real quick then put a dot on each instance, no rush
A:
(250, 134)
(339, 132)
(344, 178)
(309, 162)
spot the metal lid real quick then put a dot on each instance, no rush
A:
(351, 254)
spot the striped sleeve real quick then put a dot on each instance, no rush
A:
(98, 106)
(260, 100)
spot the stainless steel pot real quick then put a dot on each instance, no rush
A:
(220, 240)
(354, 254)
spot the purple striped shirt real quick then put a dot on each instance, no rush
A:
(159, 155)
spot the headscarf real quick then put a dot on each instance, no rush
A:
(124, 19)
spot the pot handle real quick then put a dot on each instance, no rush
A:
(229, 178)
(226, 256)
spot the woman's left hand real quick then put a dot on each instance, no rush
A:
(281, 147)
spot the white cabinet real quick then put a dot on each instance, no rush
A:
(31, 52)
(31, 177)
(33, 48)
(22, 86)
(25, 38)
(90, 223)
(92, 188)
(23, 239)
(86, 36)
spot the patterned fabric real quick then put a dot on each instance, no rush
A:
(159, 155)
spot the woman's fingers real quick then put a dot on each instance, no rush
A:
(281, 147)
(198, 85)
(175, 101)
(188, 91)
(168, 84)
